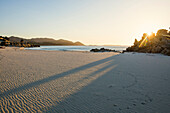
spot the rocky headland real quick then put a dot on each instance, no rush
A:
(154, 43)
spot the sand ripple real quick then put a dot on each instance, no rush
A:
(42, 81)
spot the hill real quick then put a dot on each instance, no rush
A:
(45, 41)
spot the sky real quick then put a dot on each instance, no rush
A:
(92, 22)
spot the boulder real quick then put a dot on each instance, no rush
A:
(166, 52)
(156, 49)
(102, 50)
(94, 50)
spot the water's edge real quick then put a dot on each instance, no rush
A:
(77, 48)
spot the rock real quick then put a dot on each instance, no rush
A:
(134, 104)
(123, 51)
(115, 105)
(143, 103)
(94, 50)
(156, 49)
(102, 50)
(166, 52)
(154, 44)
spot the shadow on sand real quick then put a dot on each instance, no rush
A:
(54, 77)
(89, 98)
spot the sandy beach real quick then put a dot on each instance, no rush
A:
(73, 82)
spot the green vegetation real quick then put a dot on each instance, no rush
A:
(5, 41)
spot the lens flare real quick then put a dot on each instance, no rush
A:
(144, 42)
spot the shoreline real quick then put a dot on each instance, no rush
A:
(21, 48)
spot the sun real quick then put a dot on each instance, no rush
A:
(149, 33)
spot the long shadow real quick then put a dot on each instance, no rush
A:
(109, 65)
(54, 77)
(74, 102)
(116, 99)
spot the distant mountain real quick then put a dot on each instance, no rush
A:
(45, 41)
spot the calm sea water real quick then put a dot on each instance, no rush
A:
(77, 48)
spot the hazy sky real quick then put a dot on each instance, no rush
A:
(116, 22)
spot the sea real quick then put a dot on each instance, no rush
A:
(76, 48)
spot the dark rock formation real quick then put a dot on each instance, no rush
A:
(102, 50)
(153, 44)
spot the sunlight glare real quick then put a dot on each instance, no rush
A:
(149, 33)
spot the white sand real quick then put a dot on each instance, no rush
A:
(50, 81)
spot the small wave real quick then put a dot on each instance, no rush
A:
(76, 48)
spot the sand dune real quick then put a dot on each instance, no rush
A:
(50, 81)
